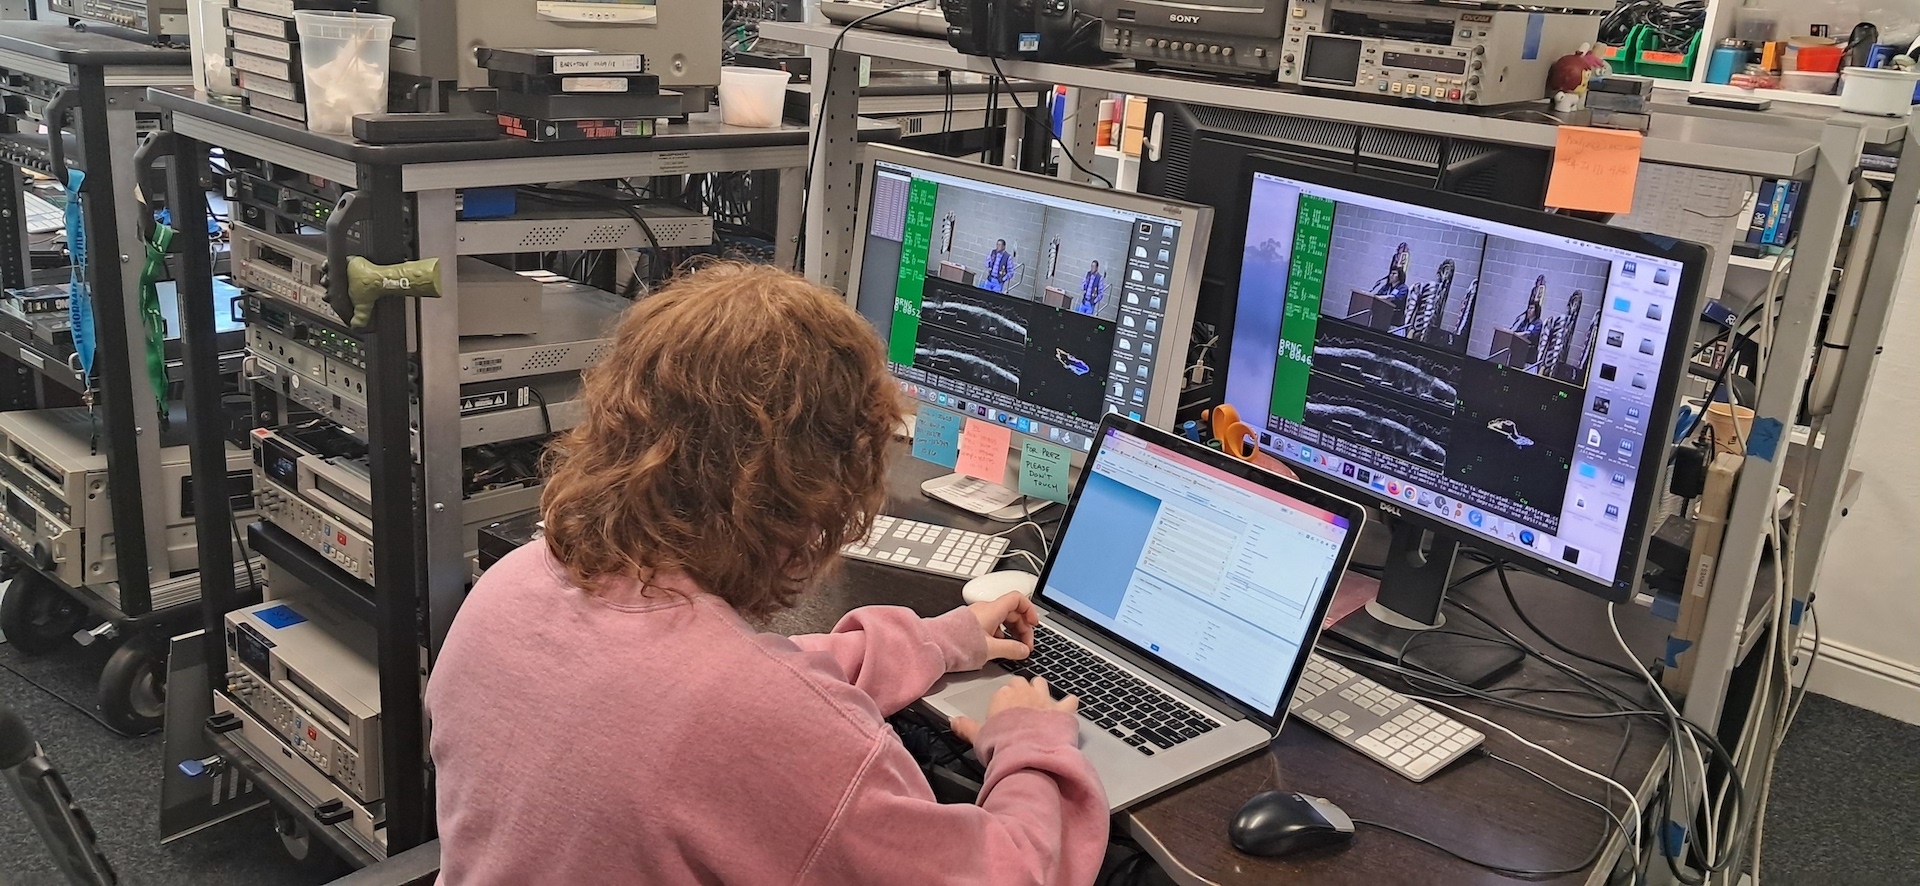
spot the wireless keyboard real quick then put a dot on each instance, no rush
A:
(1405, 735)
(927, 547)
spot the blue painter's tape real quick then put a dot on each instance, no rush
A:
(1536, 23)
(1666, 606)
(1798, 607)
(1675, 648)
(1673, 839)
(1764, 442)
(280, 617)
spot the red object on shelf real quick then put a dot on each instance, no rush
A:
(1819, 59)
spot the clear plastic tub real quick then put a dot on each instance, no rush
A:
(345, 58)
(207, 21)
(752, 96)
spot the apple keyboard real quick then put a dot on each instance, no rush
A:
(1405, 735)
(927, 547)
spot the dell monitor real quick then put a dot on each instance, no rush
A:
(1482, 373)
(1026, 301)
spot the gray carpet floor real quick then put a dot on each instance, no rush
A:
(1845, 811)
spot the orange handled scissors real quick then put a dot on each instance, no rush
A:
(1236, 437)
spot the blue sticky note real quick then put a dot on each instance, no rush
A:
(936, 436)
(1045, 471)
(280, 617)
(1764, 442)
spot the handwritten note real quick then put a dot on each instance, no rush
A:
(1594, 169)
(1044, 471)
(936, 436)
(983, 451)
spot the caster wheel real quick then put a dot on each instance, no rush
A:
(298, 840)
(38, 617)
(133, 686)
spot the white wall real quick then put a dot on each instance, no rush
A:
(1869, 585)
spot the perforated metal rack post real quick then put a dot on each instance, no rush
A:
(419, 567)
(1818, 149)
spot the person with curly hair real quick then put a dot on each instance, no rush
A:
(604, 712)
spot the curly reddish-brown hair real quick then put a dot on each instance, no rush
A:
(737, 432)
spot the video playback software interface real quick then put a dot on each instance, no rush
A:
(1498, 378)
(1031, 311)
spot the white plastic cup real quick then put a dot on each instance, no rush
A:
(1882, 92)
(754, 97)
(345, 59)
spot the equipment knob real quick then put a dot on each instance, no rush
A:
(1479, 50)
(42, 555)
(1288, 58)
(1226, 51)
(1478, 64)
(1213, 50)
(1473, 80)
(1186, 47)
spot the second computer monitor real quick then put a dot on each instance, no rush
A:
(1500, 374)
(1027, 301)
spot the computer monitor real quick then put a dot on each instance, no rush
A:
(1480, 372)
(1027, 301)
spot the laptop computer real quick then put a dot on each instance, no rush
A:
(1181, 602)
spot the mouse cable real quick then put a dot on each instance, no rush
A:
(1632, 800)
(1614, 819)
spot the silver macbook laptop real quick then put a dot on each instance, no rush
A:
(1180, 603)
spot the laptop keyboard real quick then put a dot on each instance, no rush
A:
(1129, 708)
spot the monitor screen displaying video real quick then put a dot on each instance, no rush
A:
(1496, 378)
(1034, 311)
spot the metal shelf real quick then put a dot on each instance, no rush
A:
(289, 553)
(1679, 137)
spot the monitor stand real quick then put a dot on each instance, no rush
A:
(990, 500)
(1412, 588)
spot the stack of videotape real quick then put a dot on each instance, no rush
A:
(263, 46)
(575, 95)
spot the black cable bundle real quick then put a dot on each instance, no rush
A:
(1675, 25)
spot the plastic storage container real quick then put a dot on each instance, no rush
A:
(753, 97)
(345, 59)
(1819, 59)
(1880, 91)
(207, 20)
(1651, 61)
(1816, 82)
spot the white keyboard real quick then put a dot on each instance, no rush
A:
(1405, 735)
(43, 217)
(926, 547)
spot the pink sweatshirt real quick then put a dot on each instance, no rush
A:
(585, 739)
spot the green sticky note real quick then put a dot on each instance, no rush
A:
(1045, 471)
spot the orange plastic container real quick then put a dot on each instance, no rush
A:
(1819, 59)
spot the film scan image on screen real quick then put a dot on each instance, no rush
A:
(1499, 379)
(1037, 312)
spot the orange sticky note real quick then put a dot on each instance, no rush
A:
(983, 451)
(1594, 169)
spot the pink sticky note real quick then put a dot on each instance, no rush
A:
(983, 451)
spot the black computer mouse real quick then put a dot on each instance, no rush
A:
(1277, 823)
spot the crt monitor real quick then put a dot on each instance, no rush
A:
(1027, 301)
(1491, 374)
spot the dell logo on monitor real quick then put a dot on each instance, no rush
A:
(1390, 509)
(1179, 19)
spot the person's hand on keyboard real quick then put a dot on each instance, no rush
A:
(1008, 623)
(1019, 692)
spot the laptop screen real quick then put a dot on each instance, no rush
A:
(1214, 574)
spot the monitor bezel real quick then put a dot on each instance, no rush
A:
(1196, 221)
(1332, 502)
(1693, 259)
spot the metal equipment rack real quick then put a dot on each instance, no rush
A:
(100, 75)
(1821, 151)
(419, 566)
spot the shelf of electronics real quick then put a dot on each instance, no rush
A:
(524, 343)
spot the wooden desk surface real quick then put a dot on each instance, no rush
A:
(1477, 806)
